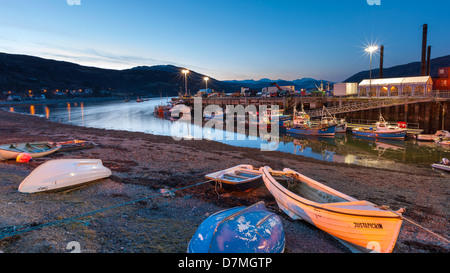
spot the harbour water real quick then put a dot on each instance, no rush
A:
(343, 148)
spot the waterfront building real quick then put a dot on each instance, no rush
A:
(396, 87)
(442, 82)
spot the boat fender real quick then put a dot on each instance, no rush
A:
(24, 158)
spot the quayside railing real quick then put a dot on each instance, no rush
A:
(361, 106)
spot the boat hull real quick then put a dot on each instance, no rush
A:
(240, 230)
(327, 131)
(63, 173)
(358, 224)
(441, 167)
(39, 149)
(397, 134)
(282, 119)
(341, 128)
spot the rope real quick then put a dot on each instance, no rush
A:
(16, 230)
(437, 235)
(422, 227)
(414, 223)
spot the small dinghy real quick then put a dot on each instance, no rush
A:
(360, 225)
(250, 229)
(242, 177)
(76, 145)
(443, 165)
(63, 173)
(38, 149)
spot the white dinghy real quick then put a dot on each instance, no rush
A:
(360, 225)
(62, 173)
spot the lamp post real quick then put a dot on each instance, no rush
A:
(185, 71)
(206, 80)
(371, 50)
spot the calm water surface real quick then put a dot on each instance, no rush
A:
(344, 148)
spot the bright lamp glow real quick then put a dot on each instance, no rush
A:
(371, 49)
(185, 71)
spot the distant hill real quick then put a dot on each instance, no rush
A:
(305, 83)
(405, 70)
(22, 72)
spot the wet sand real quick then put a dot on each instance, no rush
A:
(143, 164)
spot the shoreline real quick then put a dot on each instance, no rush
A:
(142, 164)
(56, 101)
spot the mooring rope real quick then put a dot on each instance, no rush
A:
(16, 230)
(420, 226)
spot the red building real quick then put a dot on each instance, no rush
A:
(442, 82)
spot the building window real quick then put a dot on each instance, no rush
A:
(383, 91)
(407, 90)
(394, 91)
(419, 91)
(363, 92)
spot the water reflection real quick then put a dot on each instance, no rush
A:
(47, 112)
(343, 148)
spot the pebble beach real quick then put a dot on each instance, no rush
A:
(144, 166)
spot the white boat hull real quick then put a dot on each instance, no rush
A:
(62, 173)
(441, 167)
(341, 128)
(360, 225)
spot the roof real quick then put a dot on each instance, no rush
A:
(397, 81)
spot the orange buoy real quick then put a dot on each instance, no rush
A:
(23, 158)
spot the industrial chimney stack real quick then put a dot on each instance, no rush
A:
(423, 68)
(381, 61)
(428, 60)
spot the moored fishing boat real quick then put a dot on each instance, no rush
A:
(250, 229)
(63, 173)
(328, 120)
(382, 130)
(241, 177)
(359, 224)
(301, 125)
(36, 149)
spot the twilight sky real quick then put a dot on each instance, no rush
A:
(228, 39)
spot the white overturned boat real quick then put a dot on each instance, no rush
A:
(62, 173)
(360, 225)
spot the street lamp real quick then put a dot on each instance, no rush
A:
(206, 80)
(371, 50)
(185, 71)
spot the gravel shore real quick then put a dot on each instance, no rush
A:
(144, 164)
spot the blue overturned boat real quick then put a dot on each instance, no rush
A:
(250, 229)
